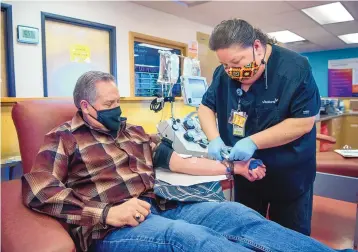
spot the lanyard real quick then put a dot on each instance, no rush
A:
(239, 94)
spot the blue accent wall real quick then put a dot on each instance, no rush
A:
(319, 63)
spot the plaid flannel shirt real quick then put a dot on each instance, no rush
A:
(80, 171)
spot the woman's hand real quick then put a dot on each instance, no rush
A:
(242, 168)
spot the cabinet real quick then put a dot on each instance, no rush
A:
(350, 129)
(344, 128)
(335, 129)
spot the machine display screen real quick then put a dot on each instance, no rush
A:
(197, 87)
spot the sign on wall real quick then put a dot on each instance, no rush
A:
(193, 49)
(80, 54)
(343, 78)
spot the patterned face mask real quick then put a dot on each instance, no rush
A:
(243, 73)
(246, 72)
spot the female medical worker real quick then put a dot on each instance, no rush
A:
(265, 99)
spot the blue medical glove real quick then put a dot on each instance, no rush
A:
(243, 150)
(214, 148)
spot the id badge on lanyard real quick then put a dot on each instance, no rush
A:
(238, 120)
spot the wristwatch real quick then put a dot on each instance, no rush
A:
(229, 169)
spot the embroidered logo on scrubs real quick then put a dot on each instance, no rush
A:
(306, 112)
(274, 101)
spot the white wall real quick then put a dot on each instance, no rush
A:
(125, 16)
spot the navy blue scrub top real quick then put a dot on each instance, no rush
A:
(291, 93)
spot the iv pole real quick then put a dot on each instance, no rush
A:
(166, 78)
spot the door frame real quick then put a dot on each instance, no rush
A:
(79, 22)
(10, 70)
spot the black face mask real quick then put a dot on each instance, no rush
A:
(110, 118)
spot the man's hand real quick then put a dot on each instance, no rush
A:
(243, 150)
(242, 168)
(125, 214)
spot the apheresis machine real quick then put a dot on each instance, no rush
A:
(185, 133)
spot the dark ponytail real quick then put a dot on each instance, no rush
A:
(263, 37)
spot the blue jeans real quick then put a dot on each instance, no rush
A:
(208, 227)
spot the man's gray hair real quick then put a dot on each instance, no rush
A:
(236, 32)
(85, 88)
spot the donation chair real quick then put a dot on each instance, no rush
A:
(329, 141)
(24, 230)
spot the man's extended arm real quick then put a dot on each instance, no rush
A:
(207, 167)
(165, 157)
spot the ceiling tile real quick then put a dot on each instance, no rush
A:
(250, 11)
(227, 9)
(342, 28)
(307, 4)
(351, 46)
(261, 7)
(291, 20)
(269, 16)
(352, 7)
(331, 42)
(193, 3)
(164, 6)
(311, 32)
(267, 28)
(337, 47)
(303, 46)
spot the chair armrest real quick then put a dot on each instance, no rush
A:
(326, 138)
(25, 230)
(226, 184)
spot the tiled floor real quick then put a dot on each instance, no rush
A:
(333, 222)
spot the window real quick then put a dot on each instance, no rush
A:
(7, 55)
(145, 60)
(72, 47)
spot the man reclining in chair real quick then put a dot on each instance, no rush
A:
(97, 174)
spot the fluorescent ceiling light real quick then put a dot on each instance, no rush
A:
(285, 36)
(155, 47)
(190, 3)
(351, 38)
(329, 13)
(145, 65)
